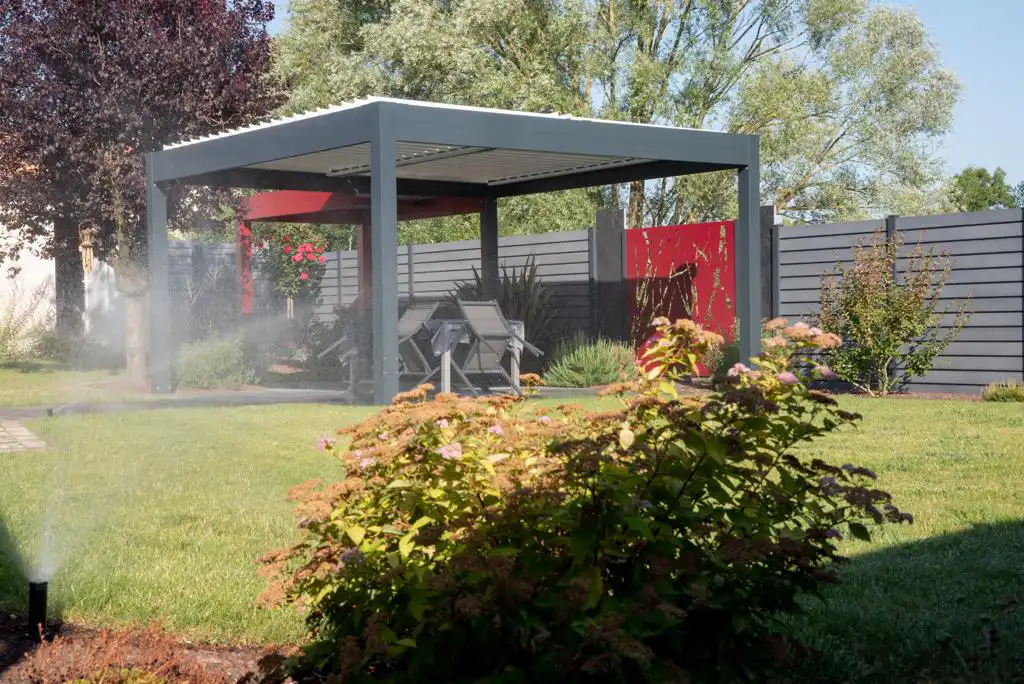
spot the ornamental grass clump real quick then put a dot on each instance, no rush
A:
(481, 540)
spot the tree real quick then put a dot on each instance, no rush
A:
(850, 99)
(86, 88)
(1018, 195)
(975, 189)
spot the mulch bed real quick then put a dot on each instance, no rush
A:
(78, 652)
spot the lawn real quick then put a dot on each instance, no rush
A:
(167, 509)
(24, 384)
(160, 514)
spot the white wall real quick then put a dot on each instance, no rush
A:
(104, 316)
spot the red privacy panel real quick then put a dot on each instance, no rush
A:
(681, 272)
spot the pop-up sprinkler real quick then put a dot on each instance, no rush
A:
(37, 608)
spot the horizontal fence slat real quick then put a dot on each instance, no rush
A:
(964, 247)
(928, 236)
(964, 348)
(972, 219)
(827, 242)
(855, 227)
(962, 377)
(1007, 364)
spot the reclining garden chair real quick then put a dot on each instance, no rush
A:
(411, 357)
(492, 338)
(414, 320)
(347, 352)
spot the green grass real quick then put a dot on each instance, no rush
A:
(916, 604)
(25, 384)
(164, 512)
(171, 507)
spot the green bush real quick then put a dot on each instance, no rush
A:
(475, 541)
(579, 362)
(891, 325)
(216, 363)
(22, 319)
(1008, 391)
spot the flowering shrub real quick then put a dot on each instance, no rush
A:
(892, 327)
(475, 540)
(294, 256)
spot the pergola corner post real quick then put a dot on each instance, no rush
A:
(489, 247)
(161, 346)
(748, 254)
(384, 264)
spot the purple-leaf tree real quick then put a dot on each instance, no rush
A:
(87, 87)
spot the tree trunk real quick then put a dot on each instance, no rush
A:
(636, 201)
(136, 338)
(69, 279)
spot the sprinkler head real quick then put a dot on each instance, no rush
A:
(37, 608)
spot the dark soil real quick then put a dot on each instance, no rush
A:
(79, 652)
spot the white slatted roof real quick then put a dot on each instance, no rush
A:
(428, 161)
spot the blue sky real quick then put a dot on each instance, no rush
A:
(981, 40)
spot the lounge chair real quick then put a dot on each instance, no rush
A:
(413, 361)
(493, 337)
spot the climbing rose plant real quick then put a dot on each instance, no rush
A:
(294, 256)
(483, 540)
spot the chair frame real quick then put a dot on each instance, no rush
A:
(479, 339)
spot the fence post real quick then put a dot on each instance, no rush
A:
(890, 233)
(609, 269)
(769, 263)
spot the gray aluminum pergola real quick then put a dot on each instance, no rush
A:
(390, 148)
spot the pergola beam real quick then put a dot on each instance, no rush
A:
(429, 123)
(620, 174)
(300, 136)
(265, 179)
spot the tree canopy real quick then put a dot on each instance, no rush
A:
(850, 99)
(85, 88)
(976, 189)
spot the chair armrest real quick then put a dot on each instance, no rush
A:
(341, 340)
(527, 346)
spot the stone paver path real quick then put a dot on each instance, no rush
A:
(15, 437)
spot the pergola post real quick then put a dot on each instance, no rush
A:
(748, 254)
(364, 264)
(384, 265)
(489, 247)
(160, 345)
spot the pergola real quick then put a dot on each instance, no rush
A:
(397, 150)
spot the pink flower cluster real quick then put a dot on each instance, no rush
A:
(303, 253)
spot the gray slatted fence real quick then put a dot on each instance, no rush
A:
(432, 272)
(988, 267)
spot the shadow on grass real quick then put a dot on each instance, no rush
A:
(944, 609)
(14, 633)
(29, 366)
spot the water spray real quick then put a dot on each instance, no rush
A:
(37, 607)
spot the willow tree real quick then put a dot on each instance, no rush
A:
(85, 90)
(850, 98)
